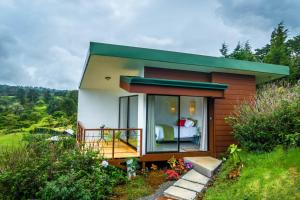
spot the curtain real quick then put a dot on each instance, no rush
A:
(151, 124)
(203, 138)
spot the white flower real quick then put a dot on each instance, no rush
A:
(129, 162)
(104, 163)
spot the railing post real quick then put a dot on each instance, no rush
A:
(141, 142)
(83, 136)
(113, 145)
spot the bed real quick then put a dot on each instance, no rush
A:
(186, 133)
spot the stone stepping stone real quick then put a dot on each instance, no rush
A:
(180, 193)
(204, 165)
(196, 187)
(196, 177)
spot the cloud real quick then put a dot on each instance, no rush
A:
(154, 41)
(44, 43)
(260, 14)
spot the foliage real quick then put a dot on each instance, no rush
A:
(28, 108)
(55, 170)
(178, 165)
(280, 50)
(241, 52)
(234, 154)
(172, 162)
(278, 53)
(272, 119)
(273, 175)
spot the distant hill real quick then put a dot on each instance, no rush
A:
(27, 108)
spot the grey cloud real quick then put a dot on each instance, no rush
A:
(44, 43)
(262, 14)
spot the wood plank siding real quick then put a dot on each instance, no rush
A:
(240, 88)
(152, 72)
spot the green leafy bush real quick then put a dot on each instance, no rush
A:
(272, 119)
(43, 169)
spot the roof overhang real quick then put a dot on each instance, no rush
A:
(116, 60)
(135, 84)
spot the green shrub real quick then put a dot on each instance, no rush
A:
(272, 119)
(44, 169)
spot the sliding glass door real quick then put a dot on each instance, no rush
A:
(176, 123)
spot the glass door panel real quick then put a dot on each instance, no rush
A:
(123, 117)
(162, 118)
(193, 129)
(133, 120)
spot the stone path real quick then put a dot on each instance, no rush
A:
(193, 182)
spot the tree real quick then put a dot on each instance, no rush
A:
(224, 50)
(32, 95)
(278, 53)
(261, 53)
(69, 106)
(240, 52)
(47, 96)
(21, 95)
(293, 46)
(55, 104)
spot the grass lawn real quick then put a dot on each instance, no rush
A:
(271, 176)
(11, 140)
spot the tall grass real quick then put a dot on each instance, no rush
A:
(269, 119)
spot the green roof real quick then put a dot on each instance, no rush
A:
(172, 83)
(126, 60)
(184, 58)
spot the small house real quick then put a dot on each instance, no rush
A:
(153, 104)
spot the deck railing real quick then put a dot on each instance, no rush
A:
(111, 142)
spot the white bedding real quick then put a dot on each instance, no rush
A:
(185, 132)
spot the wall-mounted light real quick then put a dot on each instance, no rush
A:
(173, 108)
(107, 78)
(192, 108)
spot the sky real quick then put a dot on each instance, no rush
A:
(45, 42)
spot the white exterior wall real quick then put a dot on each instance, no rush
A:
(98, 107)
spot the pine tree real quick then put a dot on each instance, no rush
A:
(278, 53)
(224, 50)
(242, 52)
(261, 53)
(294, 50)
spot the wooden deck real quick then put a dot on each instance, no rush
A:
(121, 149)
(110, 142)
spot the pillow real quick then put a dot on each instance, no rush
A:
(188, 123)
(194, 120)
(181, 122)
